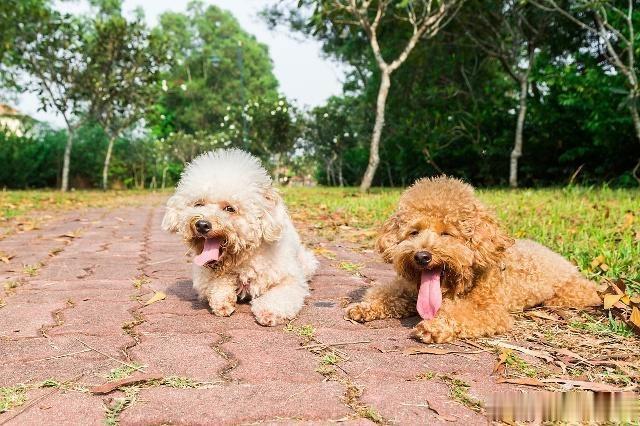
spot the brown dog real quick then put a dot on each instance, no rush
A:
(459, 271)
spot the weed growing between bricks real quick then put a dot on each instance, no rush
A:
(329, 359)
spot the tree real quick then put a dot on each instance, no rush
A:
(53, 58)
(217, 65)
(424, 19)
(612, 23)
(122, 77)
(511, 32)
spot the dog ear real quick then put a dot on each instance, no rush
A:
(272, 218)
(489, 240)
(171, 219)
(388, 237)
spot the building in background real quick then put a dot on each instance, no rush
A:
(12, 121)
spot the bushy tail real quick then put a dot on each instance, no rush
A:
(309, 263)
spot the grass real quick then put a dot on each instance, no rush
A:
(14, 204)
(118, 405)
(459, 391)
(305, 331)
(12, 396)
(123, 372)
(602, 326)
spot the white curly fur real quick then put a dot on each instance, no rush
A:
(263, 259)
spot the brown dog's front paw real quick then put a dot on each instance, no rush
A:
(361, 312)
(435, 331)
(223, 309)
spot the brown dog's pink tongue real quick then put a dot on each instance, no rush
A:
(429, 294)
(210, 252)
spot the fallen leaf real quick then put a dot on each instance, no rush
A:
(627, 221)
(597, 261)
(626, 299)
(538, 354)
(541, 314)
(604, 267)
(157, 296)
(71, 235)
(438, 409)
(634, 299)
(418, 350)
(6, 258)
(635, 316)
(111, 386)
(528, 381)
(611, 299)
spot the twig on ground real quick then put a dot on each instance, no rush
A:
(326, 345)
(135, 367)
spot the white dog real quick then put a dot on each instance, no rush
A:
(231, 217)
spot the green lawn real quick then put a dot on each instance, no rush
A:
(597, 228)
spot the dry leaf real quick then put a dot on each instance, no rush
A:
(541, 314)
(6, 258)
(529, 381)
(604, 267)
(157, 296)
(627, 221)
(538, 354)
(111, 386)
(635, 316)
(611, 299)
(597, 261)
(626, 299)
(417, 350)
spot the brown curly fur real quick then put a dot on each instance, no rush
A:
(487, 273)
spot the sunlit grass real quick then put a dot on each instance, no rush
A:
(15, 204)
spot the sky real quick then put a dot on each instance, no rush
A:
(304, 75)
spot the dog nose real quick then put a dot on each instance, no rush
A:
(203, 226)
(422, 258)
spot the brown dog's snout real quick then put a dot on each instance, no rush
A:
(203, 226)
(422, 258)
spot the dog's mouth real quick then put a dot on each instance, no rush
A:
(429, 292)
(212, 251)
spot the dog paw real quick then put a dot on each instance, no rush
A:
(361, 312)
(223, 309)
(435, 331)
(268, 318)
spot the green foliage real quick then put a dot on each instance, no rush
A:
(452, 106)
(30, 161)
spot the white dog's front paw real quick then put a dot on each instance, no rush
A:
(222, 304)
(223, 309)
(266, 317)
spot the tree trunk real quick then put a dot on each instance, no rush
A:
(517, 148)
(374, 156)
(67, 160)
(107, 160)
(636, 125)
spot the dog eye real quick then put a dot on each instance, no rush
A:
(198, 204)
(445, 234)
(414, 233)
(229, 209)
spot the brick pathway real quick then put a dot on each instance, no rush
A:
(78, 314)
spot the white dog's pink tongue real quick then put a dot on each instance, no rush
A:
(429, 294)
(210, 252)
